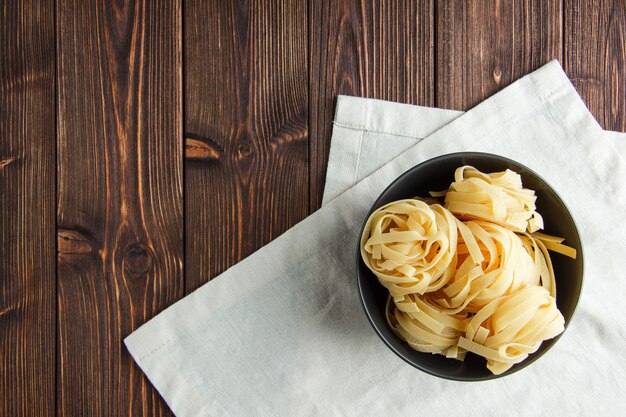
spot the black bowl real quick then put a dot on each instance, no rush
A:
(437, 174)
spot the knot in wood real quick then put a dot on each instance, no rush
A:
(73, 242)
(137, 261)
(6, 161)
(198, 150)
(244, 150)
(497, 75)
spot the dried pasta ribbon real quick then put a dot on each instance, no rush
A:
(497, 197)
(517, 325)
(409, 245)
(505, 264)
(424, 328)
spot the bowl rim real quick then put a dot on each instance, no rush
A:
(519, 366)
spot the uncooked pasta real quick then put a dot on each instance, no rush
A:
(497, 197)
(472, 275)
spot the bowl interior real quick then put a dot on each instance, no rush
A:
(437, 174)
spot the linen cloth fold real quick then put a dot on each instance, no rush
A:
(282, 333)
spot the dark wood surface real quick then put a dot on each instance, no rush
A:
(246, 100)
(120, 195)
(28, 305)
(147, 146)
(476, 60)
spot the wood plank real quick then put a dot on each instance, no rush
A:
(246, 98)
(120, 239)
(27, 209)
(378, 49)
(483, 46)
(595, 57)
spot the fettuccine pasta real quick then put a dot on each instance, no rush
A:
(516, 325)
(409, 246)
(505, 264)
(498, 197)
(471, 276)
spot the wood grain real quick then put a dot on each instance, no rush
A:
(27, 209)
(246, 178)
(483, 46)
(378, 49)
(595, 57)
(120, 224)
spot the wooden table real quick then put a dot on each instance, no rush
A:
(146, 147)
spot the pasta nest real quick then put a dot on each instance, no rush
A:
(409, 246)
(491, 261)
(510, 328)
(497, 197)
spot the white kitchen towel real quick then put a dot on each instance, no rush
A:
(356, 152)
(282, 333)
